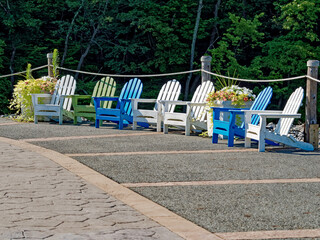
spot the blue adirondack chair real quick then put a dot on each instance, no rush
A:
(229, 128)
(122, 114)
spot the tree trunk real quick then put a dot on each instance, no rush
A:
(195, 83)
(194, 39)
(13, 54)
(95, 31)
(68, 35)
(215, 31)
(83, 56)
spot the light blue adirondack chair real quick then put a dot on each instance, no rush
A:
(229, 128)
(122, 114)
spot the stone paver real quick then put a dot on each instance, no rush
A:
(41, 200)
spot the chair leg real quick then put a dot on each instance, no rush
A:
(247, 142)
(134, 125)
(159, 127)
(60, 118)
(165, 128)
(35, 119)
(231, 138)
(262, 143)
(187, 130)
(120, 123)
(230, 141)
(75, 120)
(215, 138)
(159, 124)
(97, 123)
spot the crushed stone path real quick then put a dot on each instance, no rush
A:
(39, 199)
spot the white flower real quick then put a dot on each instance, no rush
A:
(47, 78)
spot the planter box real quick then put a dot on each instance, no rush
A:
(224, 116)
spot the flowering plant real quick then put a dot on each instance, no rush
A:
(22, 101)
(237, 95)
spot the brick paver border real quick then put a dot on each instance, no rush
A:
(222, 182)
(277, 234)
(157, 152)
(48, 139)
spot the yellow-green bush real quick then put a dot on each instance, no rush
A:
(22, 101)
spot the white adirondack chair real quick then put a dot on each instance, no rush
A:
(280, 134)
(195, 116)
(59, 104)
(169, 91)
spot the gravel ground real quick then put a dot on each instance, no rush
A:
(240, 208)
(203, 167)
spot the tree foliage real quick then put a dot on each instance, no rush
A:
(260, 39)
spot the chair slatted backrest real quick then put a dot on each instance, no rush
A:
(261, 103)
(65, 86)
(292, 106)
(131, 89)
(105, 87)
(200, 96)
(170, 91)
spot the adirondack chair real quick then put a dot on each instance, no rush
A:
(280, 134)
(122, 114)
(170, 91)
(59, 104)
(105, 87)
(195, 116)
(229, 128)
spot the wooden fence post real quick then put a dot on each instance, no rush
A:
(205, 65)
(50, 71)
(311, 126)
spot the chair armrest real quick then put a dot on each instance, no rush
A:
(217, 110)
(143, 100)
(262, 111)
(41, 95)
(126, 100)
(97, 100)
(275, 115)
(225, 109)
(164, 102)
(191, 104)
(76, 98)
(35, 97)
(80, 96)
(237, 112)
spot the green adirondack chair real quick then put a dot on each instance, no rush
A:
(105, 87)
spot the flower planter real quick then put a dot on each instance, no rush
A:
(224, 116)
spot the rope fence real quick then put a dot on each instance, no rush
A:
(170, 74)
(313, 79)
(19, 73)
(252, 80)
(119, 75)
